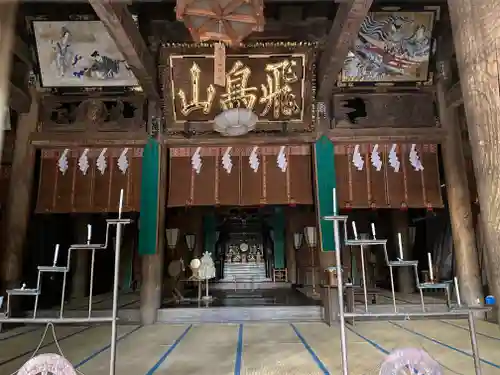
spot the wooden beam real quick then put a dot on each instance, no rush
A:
(345, 28)
(382, 134)
(124, 31)
(251, 139)
(386, 134)
(19, 100)
(82, 139)
(22, 51)
(453, 97)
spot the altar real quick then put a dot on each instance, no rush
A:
(247, 258)
(244, 253)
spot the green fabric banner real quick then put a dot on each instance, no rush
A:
(278, 224)
(324, 160)
(148, 232)
(209, 229)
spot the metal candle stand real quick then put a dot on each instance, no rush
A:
(54, 269)
(460, 311)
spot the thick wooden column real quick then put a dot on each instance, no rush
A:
(406, 282)
(152, 264)
(476, 33)
(459, 200)
(19, 201)
(8, 10)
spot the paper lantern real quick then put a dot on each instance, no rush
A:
(235, 122)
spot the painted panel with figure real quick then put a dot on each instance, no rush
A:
(79, 54)
(391, 47)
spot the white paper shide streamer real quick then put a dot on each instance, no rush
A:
(375, 158)
(83, 162)
(227, 162)
(196, 162)
(414, 158)
(394, 159)
(123, 161)
(357, 159)
(253, 160)
(62, 163)
(281, 160)
(101, 161)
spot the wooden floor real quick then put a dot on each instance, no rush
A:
(274, 348)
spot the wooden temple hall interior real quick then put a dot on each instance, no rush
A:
(227, 137)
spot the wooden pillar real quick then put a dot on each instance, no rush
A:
(19, 198)
(152, 265)
(291, 261)
(476, 33)
(79, 280)
(459, 200)
(8, 11)
(406, 283)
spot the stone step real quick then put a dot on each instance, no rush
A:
(231, 272)
(245, 267)
(243, 279)
(235, 314)
(251, 270)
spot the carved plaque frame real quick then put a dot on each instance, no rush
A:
(308, 50)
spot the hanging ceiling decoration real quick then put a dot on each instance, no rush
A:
(225, 22)
(228, 21)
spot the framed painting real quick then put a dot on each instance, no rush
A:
(392, 48)
(79, 54)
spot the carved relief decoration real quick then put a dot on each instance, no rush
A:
(377, 110)
(77, 113)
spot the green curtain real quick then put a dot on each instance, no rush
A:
(324, 159)
(209, 229)
(148, 232)
(278, 224)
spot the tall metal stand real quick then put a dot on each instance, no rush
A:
(456, 312)
(89, 319)
(114, 314)
(340, 286)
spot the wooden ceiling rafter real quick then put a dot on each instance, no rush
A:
(19, 99)
(344, 30)
(124, 31)
(23, 52)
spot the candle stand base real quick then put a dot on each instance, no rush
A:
(457, 312)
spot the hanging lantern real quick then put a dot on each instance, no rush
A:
(221, 20)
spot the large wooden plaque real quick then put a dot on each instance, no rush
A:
(274, 82)
(97, 189)
(390, 177)
(240, 176)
